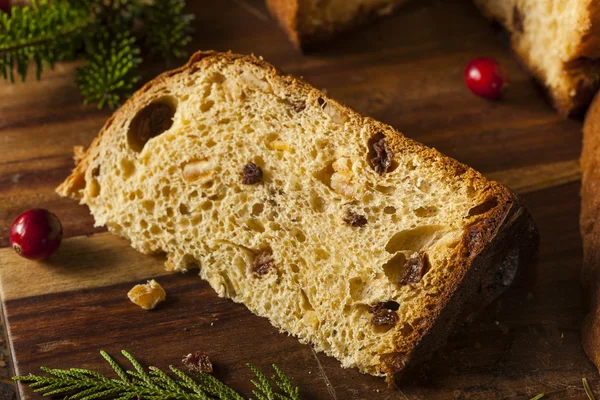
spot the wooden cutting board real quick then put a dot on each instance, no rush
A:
(405, 71)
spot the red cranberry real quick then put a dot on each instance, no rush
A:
(486, 78)
(36, 234)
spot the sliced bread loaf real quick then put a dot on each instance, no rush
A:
(336, 227)
(558, 41)
(311, 23)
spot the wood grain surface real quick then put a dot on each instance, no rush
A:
(406, 71)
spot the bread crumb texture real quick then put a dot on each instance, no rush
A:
(351, 236)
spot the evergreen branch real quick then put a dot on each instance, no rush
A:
(103, 31)
(42, 32)
(167, 29)
(154, 384)
(111, 70)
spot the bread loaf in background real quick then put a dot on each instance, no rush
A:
(590, 231)
(557, 41)
(336, 227)
(310, 24)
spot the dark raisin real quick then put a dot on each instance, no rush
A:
(198, 362)
(385, 317)
(414, 269)
(321, 102)
(252, 174)
(297, 104)
(262, 263)
(384, 313)
(380, 155)
(384, 305)
(355, 219)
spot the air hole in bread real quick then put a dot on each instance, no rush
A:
(93, 188)
(148, 205)
(412, 240)
(322, 254)
(206, 106)
(357, 289)
(424, 186)
(483, 207)
(151, 121)
(255, 225)
(127, 168)
(317, 202)
(274, 226)
(394, 268)
(389, 210)
(183, 209)
(257, 208)
(426, 212)
(306, 304)
(299, 235)
(385, 189)
(324, 174)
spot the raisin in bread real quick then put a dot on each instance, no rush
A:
(558, 41)
(590, 231)
(336, 227)
(311, 23)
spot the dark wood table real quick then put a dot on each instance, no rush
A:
(406, 71)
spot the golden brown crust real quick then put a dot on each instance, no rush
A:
(497, 226)
(493, 247)
(590, 231)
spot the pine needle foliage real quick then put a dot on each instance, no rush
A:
(43, 33)
(107, 34)
(151, 384)
(111, 71)
(171, 39)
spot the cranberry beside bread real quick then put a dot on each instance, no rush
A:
(336, 227)
(558, 41)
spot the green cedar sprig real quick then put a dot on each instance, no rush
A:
(107, 34)
(153, 384)
(43, 33)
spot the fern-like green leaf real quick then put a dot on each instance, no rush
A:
(167, 28)
(83, 384)
(43, 32)
(112, 68)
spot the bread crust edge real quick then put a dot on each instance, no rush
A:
(590, 232)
